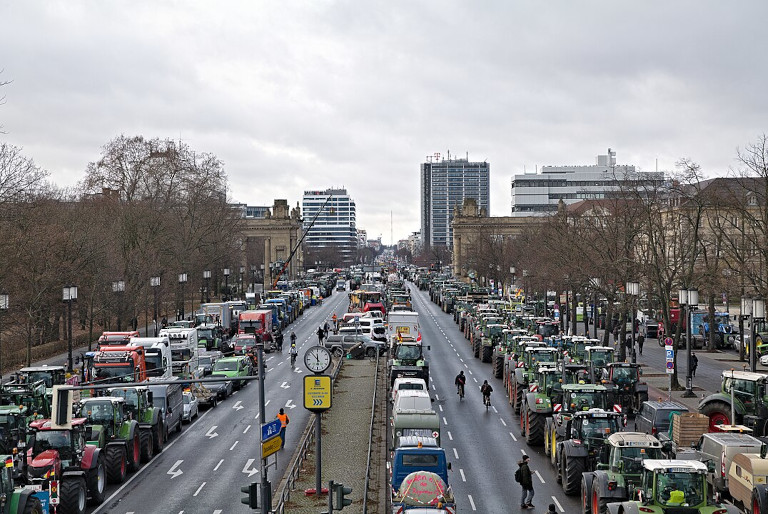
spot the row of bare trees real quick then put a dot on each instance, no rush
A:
(683, 232)
(146, 208)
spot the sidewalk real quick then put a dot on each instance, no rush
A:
(344, 442)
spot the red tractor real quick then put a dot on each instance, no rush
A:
(63, 455)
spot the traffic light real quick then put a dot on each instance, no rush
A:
(252, 491)
(339, 493)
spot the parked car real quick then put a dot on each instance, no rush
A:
(190, 408)
(655, 417)
(407, 384)
(340, 343)
(206, 361)
(233, 368)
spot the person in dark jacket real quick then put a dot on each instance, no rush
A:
(526, 482)
(694, 364)
(640, 340)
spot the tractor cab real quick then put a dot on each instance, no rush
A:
(674, 483)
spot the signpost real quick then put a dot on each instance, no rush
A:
(271, 446)
(269, 430)
(317, 393)
(670, 351)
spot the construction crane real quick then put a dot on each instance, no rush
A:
(298, 243)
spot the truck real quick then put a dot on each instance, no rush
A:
(116, 338)
(259, 322)
(221, 314)
(749, 405)
(405, 323)
(725, 334)
(184, 351)
(157, 355)
(114, 364)
(422, 450)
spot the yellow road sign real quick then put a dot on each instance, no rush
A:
(270, 446)
(317, 392)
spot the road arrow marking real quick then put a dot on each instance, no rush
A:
(248, 469)
(298, 370)
(175, 472)
(284, 385)
(211, 433)
(289, 404)
(237, 405)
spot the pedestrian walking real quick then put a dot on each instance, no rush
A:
(283, 417)
(320, 335)
(525, 479)
(693, 364)
(640, 341)
(325, 328)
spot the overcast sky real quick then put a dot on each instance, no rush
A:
(309, 95)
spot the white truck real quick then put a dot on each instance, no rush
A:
(184, 351)
(157, 354)
(218, 314)
(405, 323)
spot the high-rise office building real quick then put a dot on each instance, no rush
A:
(445, 183)
(335, 226)
(539, 194)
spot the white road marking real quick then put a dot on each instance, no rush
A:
(441, 408)
(513, 436)
(503, 422)
(538, 475)
(247, 429)
(218, 465)
(471, 501)
(494, 409)
(445, 421)
(462, 360)
(473, 378)
(267, 403)
(433, 387)
(199, 489)
(522, 450)
(175, 472)
(558, 504)
(437, 397)
(233, 446)
(456, 454)
(257, 416)
(450, 437)
(463, 478)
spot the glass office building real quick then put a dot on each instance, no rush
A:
(335, 225)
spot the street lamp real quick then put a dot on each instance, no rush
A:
(182, 281)
(118, 287)
(687, 299)
(744, 315)
(595, 286)
(154, 282)
(207, 278)
(758, 314)
(69, 295)
(3, 307)
(242, 271)
(633, 289)
(226, 281)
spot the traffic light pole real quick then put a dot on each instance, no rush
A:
(318, 459)
(264, 495)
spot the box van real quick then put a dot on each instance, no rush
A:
(171, 403)
(405, 323)
(403, 384)
(721, 448)
(748, 471)
(418, 401)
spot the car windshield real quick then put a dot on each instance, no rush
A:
(630, 458)
(204, 333)
(542, 356)
(223, 365)
(601, 357)
(680, 488)
(122, 373)
(187, 399)
(624, 374)
(599, 427)
(587, 400)
(408, 352)
(246, 342)
(204, 361)
(98, 412)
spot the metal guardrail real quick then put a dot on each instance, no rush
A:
(370, 437)
(306, 444)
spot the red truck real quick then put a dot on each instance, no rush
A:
(255, 322)
(119, 364)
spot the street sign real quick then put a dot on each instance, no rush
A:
(271, 446)
(668, 341)
(670, 367)
(269, 430)
(670, 354)
(670, 357)
(317, 393)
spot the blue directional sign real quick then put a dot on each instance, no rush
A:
(270, 430)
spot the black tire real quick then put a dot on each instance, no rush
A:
(178, 427)
(73, 495)
(719, 413)
(158, 438)
(33, 506)
(519, 397)
(487, 352)
(534, 434)
(547, 440)
(147, 449)
(97, 482)
(599, 503)
(586, 492)
(371, 353)
(134, 451)
(559, 467)
(117, 467)
(574, 467)
(760, 499)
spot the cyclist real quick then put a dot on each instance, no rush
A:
(293, 338)
(460, 381)
(294, 353)
(486, 389)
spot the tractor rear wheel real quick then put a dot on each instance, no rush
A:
(97, 482)
(73, 495)
(146, 445)
(534, 434)
(586, 490)
(158, 440)
(116, 465)
(134, 451)
(33, 506)
(574, 467)
(487, 352)
(760, 500)
(599, 503)
(719, 414)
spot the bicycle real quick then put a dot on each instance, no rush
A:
(460, 391)
(487, 400)
(293, 360)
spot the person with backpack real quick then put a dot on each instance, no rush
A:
(525, 479)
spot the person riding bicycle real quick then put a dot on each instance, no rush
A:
(294, 352)
(486, 389)
(293, 338)
(460, 381)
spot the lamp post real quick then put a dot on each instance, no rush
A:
(253, 278)
(118, 287)
(154, 282)
(3, 307)
(242, 272)
(207, 278)
(744, 314)
(69, 295)
(261, 276)
(633, 289)
(688, 298)
(758, 314)
(182, 281)
(226, 282)
(595, 282)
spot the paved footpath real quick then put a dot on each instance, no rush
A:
(344, 441)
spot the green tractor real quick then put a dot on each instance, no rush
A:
(581, 447)
(138, 406)
(537, 404)
(17, 500)
(111, 428)
(502, 350)
(492, 335)
(615, 479)
(32, 395)
(14, 420)
(750, 402)
(630, 392)
(533, 356)
(597, 358)
(672, 486)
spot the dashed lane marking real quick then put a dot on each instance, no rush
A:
(456, 454)
(199, 489)
(558, 504)
(503, 422)
(233, 446)
(218, 465)
(494, 409)
(513, 436)
(463, 478)
(471, 501)
(441, 408)
(538, 475)
(247, 429)
(445, 421)
(450, 437)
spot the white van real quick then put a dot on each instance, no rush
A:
(407, 384)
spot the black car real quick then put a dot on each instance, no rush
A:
(655, 417)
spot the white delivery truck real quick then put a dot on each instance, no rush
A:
(157, 353)
(184, 351)
(405, 323)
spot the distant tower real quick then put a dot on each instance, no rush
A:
(336, 226)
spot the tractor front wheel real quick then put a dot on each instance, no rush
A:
(116, 465)
(574, 467)
(599, 503)
(97, 482)
(134, 451)
(719, 413)
(147, 449)
(33, 506)
(73, 495)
